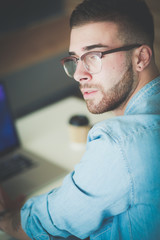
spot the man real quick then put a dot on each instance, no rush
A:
(113, 192)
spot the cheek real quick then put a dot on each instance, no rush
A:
(117, 62)
(113, 68)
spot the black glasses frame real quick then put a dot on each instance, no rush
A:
(120, 49)
(99, 53)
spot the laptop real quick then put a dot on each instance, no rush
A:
(21, 172)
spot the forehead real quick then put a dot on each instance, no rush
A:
(105, 33)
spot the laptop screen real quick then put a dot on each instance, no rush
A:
(8, 136)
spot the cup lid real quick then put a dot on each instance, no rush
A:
(79, 120)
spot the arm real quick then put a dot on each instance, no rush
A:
(10, 221)
(100, 182)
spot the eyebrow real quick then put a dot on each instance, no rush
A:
(90, 47)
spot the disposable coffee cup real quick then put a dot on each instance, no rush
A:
(78, 129)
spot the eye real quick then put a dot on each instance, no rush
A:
(94, 57)
(91, 58)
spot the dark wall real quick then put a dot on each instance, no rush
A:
(44, 82)
(16, 14)
(38, 85)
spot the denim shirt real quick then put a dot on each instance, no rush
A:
(114, 192)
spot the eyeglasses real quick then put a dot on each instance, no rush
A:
(91, 60)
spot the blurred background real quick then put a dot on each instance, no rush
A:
(34, 36)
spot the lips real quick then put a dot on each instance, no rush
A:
(88, 92)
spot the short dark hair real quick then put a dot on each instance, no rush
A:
(133, 18)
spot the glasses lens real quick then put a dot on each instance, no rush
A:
(92, 62)
(70, 67)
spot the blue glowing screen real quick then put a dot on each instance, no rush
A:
(8, 137)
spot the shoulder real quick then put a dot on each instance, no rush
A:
(123, 128)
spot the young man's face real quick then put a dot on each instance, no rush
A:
(110, 87)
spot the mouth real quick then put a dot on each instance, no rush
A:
(88, 93)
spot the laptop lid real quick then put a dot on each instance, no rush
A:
(8, 136)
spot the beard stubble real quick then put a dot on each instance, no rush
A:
(116, 96)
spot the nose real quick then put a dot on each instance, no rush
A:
(81, 74)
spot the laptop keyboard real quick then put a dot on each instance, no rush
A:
(14, 165)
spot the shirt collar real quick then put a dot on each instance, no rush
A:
(147, 91)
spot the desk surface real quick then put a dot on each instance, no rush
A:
(45, 132)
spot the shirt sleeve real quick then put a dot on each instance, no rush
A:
(98, 188)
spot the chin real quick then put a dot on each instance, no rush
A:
(96, 109)
(105, 105)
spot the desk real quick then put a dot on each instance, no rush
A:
(45, 133)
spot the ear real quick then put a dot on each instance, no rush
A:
(143, 57)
